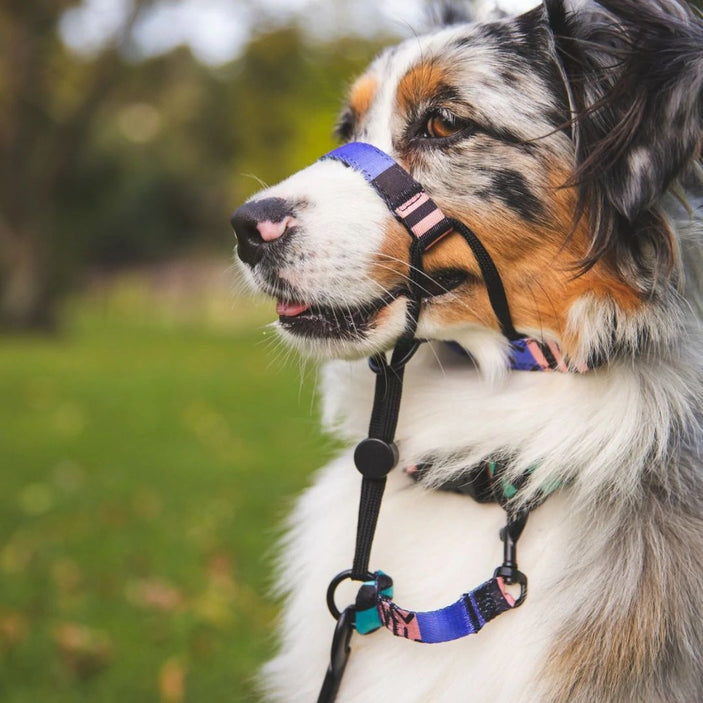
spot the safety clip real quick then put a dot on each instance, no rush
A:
(508, 570)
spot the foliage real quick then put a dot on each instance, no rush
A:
(109, 161)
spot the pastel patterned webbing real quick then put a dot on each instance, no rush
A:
(529, 354)
(374, 609)
(404, 196)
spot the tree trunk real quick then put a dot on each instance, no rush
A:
(25, 300)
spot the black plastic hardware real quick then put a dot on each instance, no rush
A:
(332, 588)
(339, 655)
(379, 364)
(374, 458)
(508, 570)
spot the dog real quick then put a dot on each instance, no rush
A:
(568, 139)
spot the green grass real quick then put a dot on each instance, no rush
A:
(143, 471)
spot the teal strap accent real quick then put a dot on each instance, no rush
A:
(369, 619)
(509, 490)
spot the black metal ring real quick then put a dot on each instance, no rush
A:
(378, 363)
(342, 576)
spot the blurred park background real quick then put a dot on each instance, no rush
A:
(152, 434)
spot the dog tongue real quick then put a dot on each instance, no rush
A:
(285, 309)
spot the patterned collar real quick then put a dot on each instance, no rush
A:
(529, 354)
(485, 483)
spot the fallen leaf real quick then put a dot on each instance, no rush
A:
(13, 628)
(155, 594)
(172, 678)
(84, 651)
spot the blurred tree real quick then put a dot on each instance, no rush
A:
(48, 100)
(109, 161)
(178, 145)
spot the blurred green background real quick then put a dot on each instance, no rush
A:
(152, 431)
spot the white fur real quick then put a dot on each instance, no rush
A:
(438, 545)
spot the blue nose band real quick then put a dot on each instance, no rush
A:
(403, 195)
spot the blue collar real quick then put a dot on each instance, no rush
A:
(529, 354)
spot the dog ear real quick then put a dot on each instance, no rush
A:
(635, 73)
(555, 11)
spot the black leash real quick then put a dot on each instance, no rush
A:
(376, 455)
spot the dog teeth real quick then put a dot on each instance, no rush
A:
(288, 309)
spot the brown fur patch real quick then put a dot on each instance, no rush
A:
(421, 81)
(362, 94)
(391, 263)
(538, 266)
(538, 272)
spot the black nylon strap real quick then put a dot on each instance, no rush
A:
(396, 186)
(382, 426)
(491, 279)
(389, 380)
(376, 456)
(369, 507)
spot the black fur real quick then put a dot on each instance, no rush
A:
(512, 189)
(635, 69)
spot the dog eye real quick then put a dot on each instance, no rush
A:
(442, 124)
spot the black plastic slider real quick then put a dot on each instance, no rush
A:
(374, 458)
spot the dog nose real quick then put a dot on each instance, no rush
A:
(259, 223)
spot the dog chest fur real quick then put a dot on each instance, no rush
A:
(584, 596)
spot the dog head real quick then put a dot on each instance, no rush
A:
(553, 136)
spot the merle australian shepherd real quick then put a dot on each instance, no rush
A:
(568, 139)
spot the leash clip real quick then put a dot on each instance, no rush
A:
(339, 656)
(508, 570)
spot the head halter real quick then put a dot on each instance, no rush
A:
(427, 224)
(376, 455)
